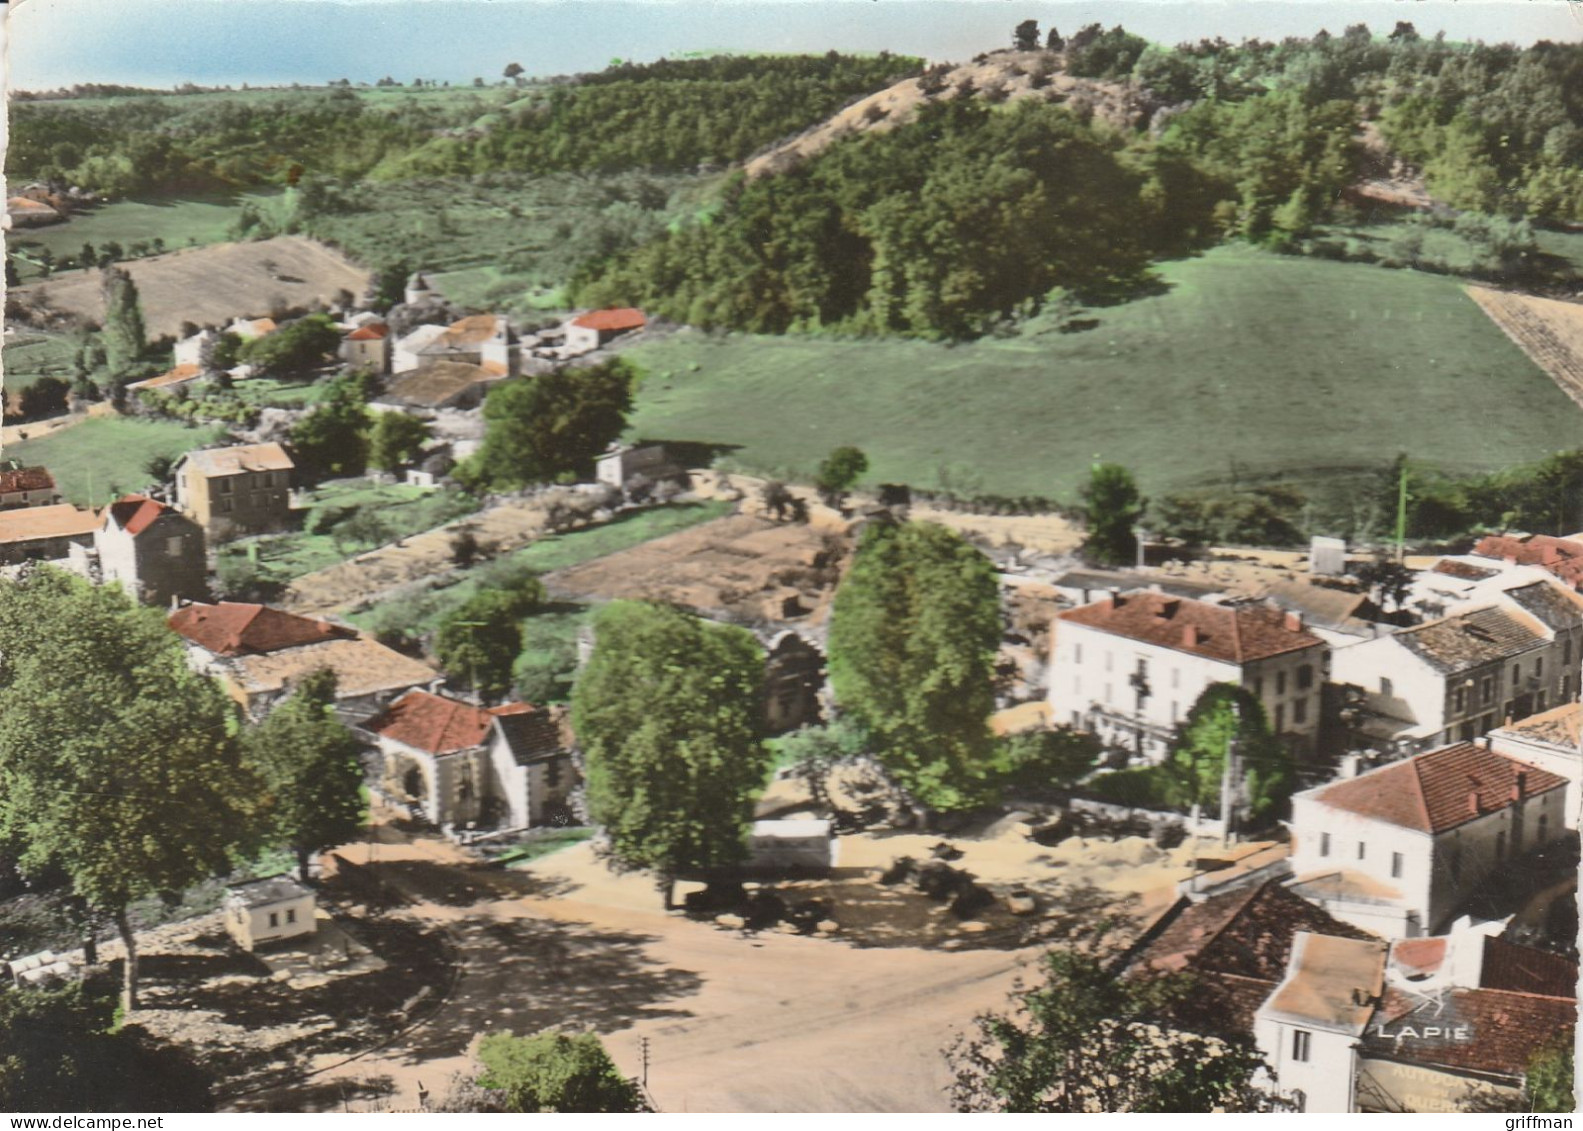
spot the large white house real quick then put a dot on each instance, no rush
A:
(1399, 850)
(1129, 667)
(1549, 740)
(1459, 677)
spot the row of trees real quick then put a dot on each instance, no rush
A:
(131, 775)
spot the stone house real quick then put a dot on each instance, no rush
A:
(246, 488)
(463, 765)
(1129, 667)
(623, 461)
(1401, 849)
(26, 486)
(484, 340)
(367, 347)
(153, 550)
(267, 911)
(259, 653)
(438, 385)
(44, 533)
(589, 331)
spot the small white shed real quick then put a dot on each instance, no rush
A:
(263, 911)
(805, 845)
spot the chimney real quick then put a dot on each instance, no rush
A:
(1473, 803)
(1190, 635)
(1294, 622)
(1520, 785)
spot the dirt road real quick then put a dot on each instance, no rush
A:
(735, 1023)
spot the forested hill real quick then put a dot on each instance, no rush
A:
(992, 199)
(664, 116)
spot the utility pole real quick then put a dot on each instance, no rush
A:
(645, 1047)
(1228, 776)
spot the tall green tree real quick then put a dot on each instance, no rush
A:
(1112, 507)
(1550, 1080)
(540, 428)
(396, 440)
(912, 648)
(479, 642)
(670, 714)
(1265, 775)
(125, 338)
(307, 762)
(1089, 1041)
(295, 348)
(332, 440)
(838, 472)
(119, 765)
(555, 1072)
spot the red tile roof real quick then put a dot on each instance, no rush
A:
(1502, 1030)
(136, 513)
(612, 321)
(372, 332)
(1524, 970)
(1560, 556)
(438, 725)
(231, 628)
(26, 479)
(1464, 570)
(1218, 632)
(1439, 790)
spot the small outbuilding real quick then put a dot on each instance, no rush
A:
(792, 846)
(266, 911)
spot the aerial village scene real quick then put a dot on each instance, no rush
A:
(932, 557)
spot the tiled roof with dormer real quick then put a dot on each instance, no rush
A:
(1235, 635)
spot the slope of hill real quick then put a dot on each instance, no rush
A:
(1251, 367)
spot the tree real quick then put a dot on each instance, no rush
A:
(555, 1072)
(480, 641)
(294, 349)
(1044, 758)
(118, 764)
(776, 499)
(1225, 712)
(1388, 582)
(61, 1049)
(912, 646)
(124, 335)
(307, 762)
(157, 467)
(839, 471)
(1112, 506)
(44, 397)
(1090, 1041)
(669, 711)
(1550, 1078)
(1054, 42)
(332, 440)
(538, 428)
(1025, 37)
(397, 440)
(513, 71)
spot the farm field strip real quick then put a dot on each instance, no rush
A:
(1547, 330)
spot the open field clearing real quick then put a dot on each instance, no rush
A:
(93, 460)
(213, 284)
(29, 355)
(1549, 331)
(179, 221)
(1250, 366)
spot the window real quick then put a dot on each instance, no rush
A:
(1539, 702)
(1324, 844)
(1385, 687)
(291, 915)
(1107, 661)
(1258, 687)
(1362, 849)
(1299, 712)
(226, 486)
(267, 480)
(1566, 651)
(1077, 653)
(1300, 1044)
(1077, 685)
(173, 547)
(1396, 865)
(1517, 673)
(552, 773)
(274, 918)
(1487, 690)
(225, 506)
(1280, 683)
(1176, 677)
(1280, 717)
(1544, 822)
(1539, 667)
(1305, 677)
(1459, 700)
(1173, 710)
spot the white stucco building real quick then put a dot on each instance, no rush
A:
(1551, 741)
(1399, 850)
(266, 911)
(1129, 667)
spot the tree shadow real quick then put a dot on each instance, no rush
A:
(528, 975)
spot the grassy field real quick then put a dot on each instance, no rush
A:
(336, 526)
(99, 458)
(30, 355)
(182, 222)
(1251, 366)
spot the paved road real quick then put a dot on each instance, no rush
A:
(735, 1023)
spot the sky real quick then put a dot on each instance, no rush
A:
(161, 43)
